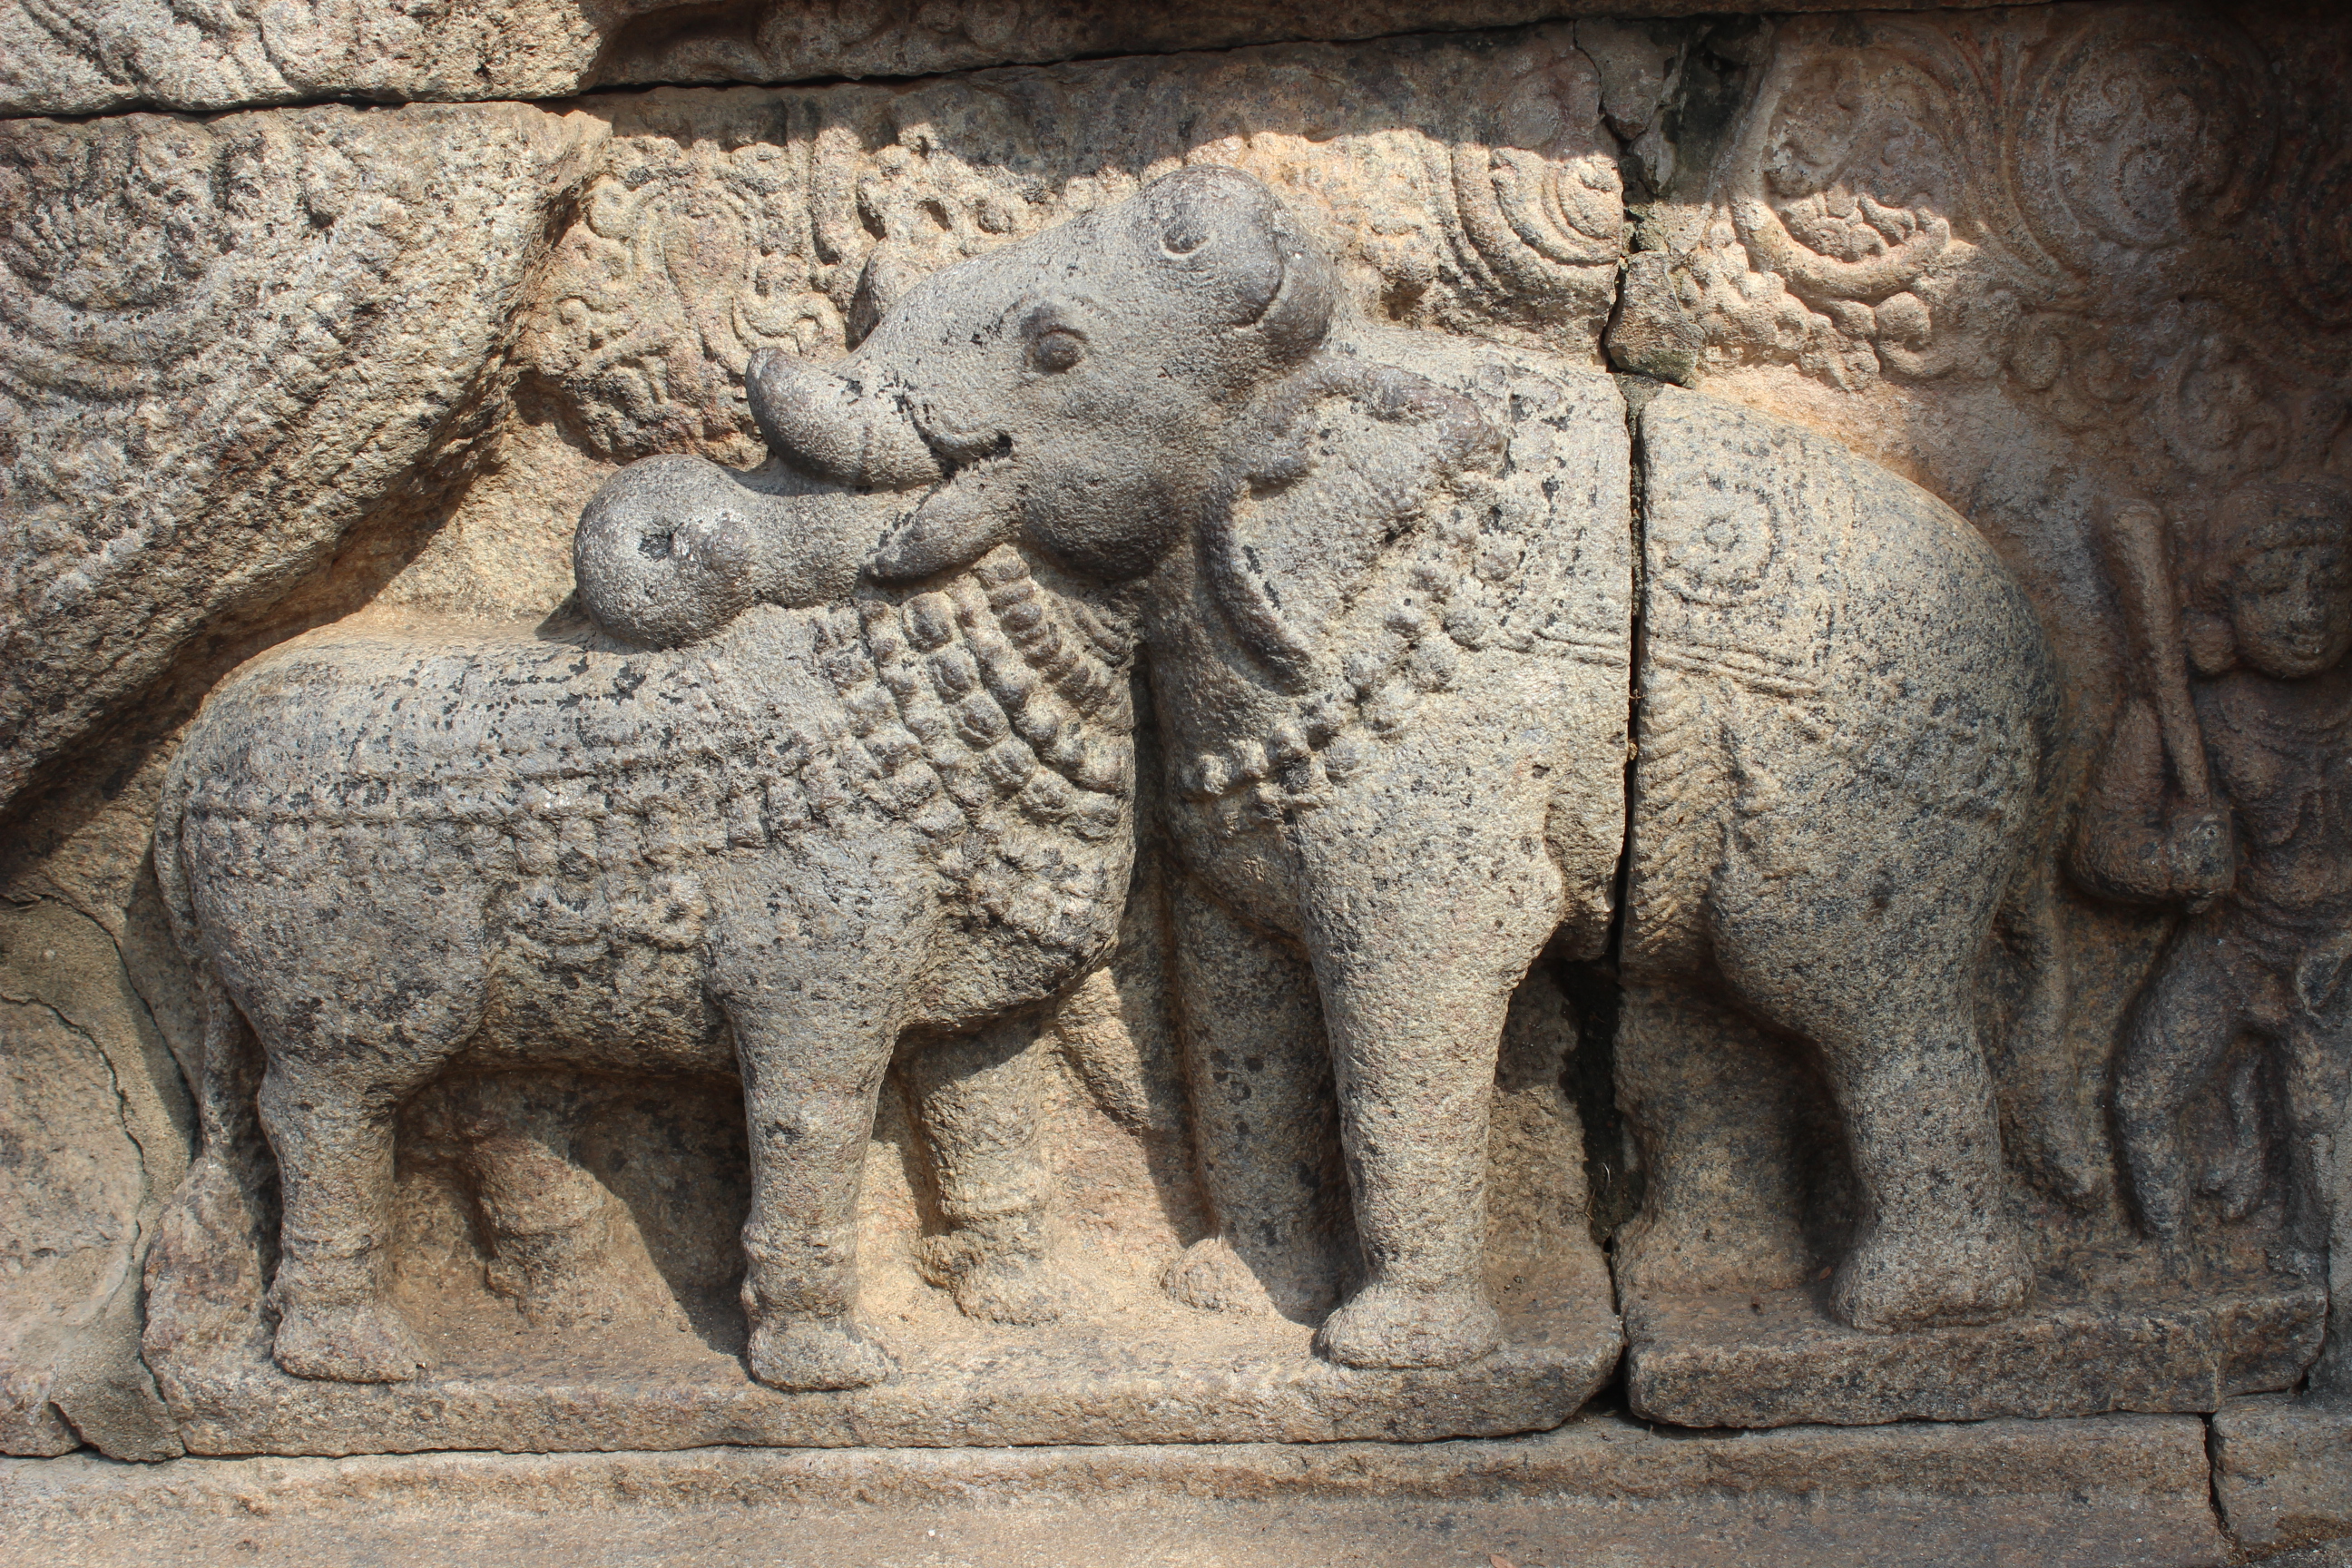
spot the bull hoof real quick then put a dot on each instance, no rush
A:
(806, 1354)
(1210, 1276)
(1391, 1326)
(1887, 1287)
(364, 1343)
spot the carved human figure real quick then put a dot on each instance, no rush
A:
(2230, 796)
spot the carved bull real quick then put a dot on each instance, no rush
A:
(1389, 596)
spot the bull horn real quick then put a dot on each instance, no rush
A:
(829, 427)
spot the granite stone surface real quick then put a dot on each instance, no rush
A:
(1210, 752)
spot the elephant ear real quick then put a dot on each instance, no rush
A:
(955, 525)
(1330, 472)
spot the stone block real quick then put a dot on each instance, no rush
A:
(1769, 1358)
(2283, 1472)
(88, 57)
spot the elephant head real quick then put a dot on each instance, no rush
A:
(1083, 391)
(1072, 390)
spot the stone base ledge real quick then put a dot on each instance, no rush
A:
(2102, 1492)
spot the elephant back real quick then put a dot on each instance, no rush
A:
(1825, 645)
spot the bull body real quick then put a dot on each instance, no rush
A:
(776, 850)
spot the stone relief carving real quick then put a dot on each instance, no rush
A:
(1498, 202)
(226, 368)
(2225, 800)
(2033, 228)
(81, 57)
(1387, 586)
(1590, 878)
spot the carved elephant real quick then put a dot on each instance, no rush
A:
(1397, 637)
(773, 819)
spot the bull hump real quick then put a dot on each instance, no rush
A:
(996, 716)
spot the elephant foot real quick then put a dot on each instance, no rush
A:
(799, 1355)
(1023, 1288)
(366, 1343)
(1393, 1326)
(1931, 1280)
(1674, 1256)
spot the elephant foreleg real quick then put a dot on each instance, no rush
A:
(977, 1099)
(1417, 960)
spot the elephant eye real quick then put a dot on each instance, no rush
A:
(1058, 350)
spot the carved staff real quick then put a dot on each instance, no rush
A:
(2132, 844)
(2138, 564)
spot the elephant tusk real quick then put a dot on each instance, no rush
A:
(953, 527)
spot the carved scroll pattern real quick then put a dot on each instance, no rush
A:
(1473, 190)
(2061, 204)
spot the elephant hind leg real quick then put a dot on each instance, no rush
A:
(1716, 1109)
(1937, 1244)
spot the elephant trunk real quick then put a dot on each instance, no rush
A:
(831, 427)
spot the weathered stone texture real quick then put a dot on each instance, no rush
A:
(84, 56)
(2069, 269)
(2100, 1493)
(1863, 828)
(328, 307)
(2283, 1472)
(228, 343)
(94, 1133)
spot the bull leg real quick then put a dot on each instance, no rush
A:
(549, 1223)
(334, 1148)
(1265, 1128)
(977, 1098)
(810, 1084)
